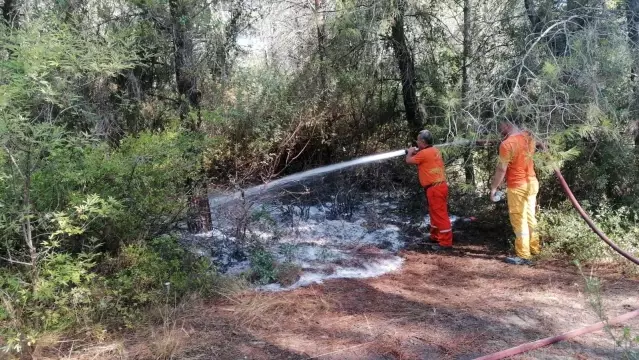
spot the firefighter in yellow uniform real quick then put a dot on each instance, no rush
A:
(516, 164)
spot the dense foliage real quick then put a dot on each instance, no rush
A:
(115, 117)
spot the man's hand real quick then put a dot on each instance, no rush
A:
(410, 153)
(492, 194)
(498, 178)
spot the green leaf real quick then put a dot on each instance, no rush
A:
(550, 70)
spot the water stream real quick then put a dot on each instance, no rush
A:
(313, 236)
(218, 200)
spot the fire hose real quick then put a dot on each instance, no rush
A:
(588, 221)
(577, 206)
(550, 340)
(553, 339)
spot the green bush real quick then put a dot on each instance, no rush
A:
(565, 232)
(146, 178)
(263, 266)
(71, 292)
(55, 162)
(148, 272)
(62, 296)
(595, 174)
(69, 198)
(148, 174)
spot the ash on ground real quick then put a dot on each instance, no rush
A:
(321, 241)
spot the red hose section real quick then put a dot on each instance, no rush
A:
(592, 225)
(547, 341)
(576, 205)
(550, 340)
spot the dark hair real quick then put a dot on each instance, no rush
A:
(426, 137)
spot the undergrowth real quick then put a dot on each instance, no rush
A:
(565, 233)
(625, 339)
(94, 293)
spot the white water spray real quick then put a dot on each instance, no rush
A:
(324, 249)
(319, 171)
(322, 170)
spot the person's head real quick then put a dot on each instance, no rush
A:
(505, 127)
(509, 125)
(424, 139)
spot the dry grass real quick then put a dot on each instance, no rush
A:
(79, 350)
(266, 310)
(163, 337)
(437, 307)
(167, 344)
(391, 348)
(114, 350)
(288, 274)
(167, 341)
(90, 342)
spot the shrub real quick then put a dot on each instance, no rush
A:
(264, 267)
(148, 174)
(147, 273)
(62, 296)
(565, 232)
(71, 293)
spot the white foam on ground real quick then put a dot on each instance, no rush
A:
(341, 233)
(316, 212)
(368, 270)
(308, 253)
(324, 249)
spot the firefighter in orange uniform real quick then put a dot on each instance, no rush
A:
(516, 164)
(432, 177)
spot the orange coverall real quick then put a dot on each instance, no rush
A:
(432, 177)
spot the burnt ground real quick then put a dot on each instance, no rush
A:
(438, 306)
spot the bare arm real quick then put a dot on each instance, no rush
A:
(500, 173)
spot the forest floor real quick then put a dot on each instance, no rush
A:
(459, 305)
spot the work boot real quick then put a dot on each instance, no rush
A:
(438, 247)
(518, 261)
(430, 241)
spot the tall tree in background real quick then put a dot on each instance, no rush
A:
(633, 37)
(222, 62)
(10, 12)
(321, 46)
(406, 65)
(185, 66)
(469, 170)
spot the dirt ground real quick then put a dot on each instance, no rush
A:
(459, 305)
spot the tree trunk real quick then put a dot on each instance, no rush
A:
(27, 228)
(321, 47)
(557, 41)
(406, 66)
(579, 7)
(535, 20)
(186, 79)
(10, 12)
(469, 169)
(466, 54)
(633, 38)
(185, 76)
(222, 66)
